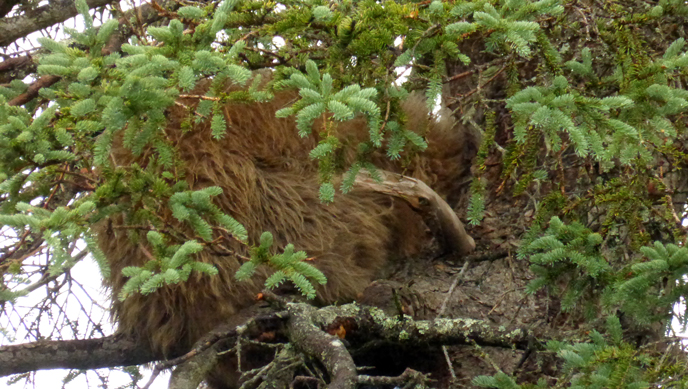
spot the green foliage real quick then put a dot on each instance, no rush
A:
(572, 252)
(434, 90)
(189, 12)
(509, 24)
(59, 228)
(318, 99)
(499, 380)
(170, 265)
(218, 125)
(656, 285)
(322, 13)
(289, 265)
(551, 109)
(194, 207)
(589, 124)
(603, 363)
(476, 206)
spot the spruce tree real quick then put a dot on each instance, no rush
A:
(573, 113)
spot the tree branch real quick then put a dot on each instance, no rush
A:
(364, 324)
(191, 373)
(6, 6)
(437, 213)
(408, 376)
(32, 91)
(327, 348)
(307, 328)
(147, 14)
(193, 366)
(22, 64)
(84, 354)
(54, 12)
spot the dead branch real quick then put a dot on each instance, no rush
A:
(279, 373)
(408, 376)
(32, 92)
(434, 210)
(489, 256)
(80, 354)
(191, 373)
(304, 328)
(39, 18)
(193, 366)
(325, 347)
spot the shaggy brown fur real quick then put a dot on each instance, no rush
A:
(270, 184)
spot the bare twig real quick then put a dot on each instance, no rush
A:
(47, 278)
(449, 363)
(454, 284)
(200, 97)
(408, 376)
(484, 84)
(6, 6)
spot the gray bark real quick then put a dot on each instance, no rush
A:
(73, 354)
(54, 12)
(304, 328)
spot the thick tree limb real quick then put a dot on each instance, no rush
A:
(32, 92)
(109, 351)
(327, 348)
(54, 12)
(437, 213)
(12, 68)
(16, 67)
(364, 324)
(361, 324)
(193, 366)
(307, 329)
(191, 373)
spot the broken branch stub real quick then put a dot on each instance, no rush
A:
(435, 211)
